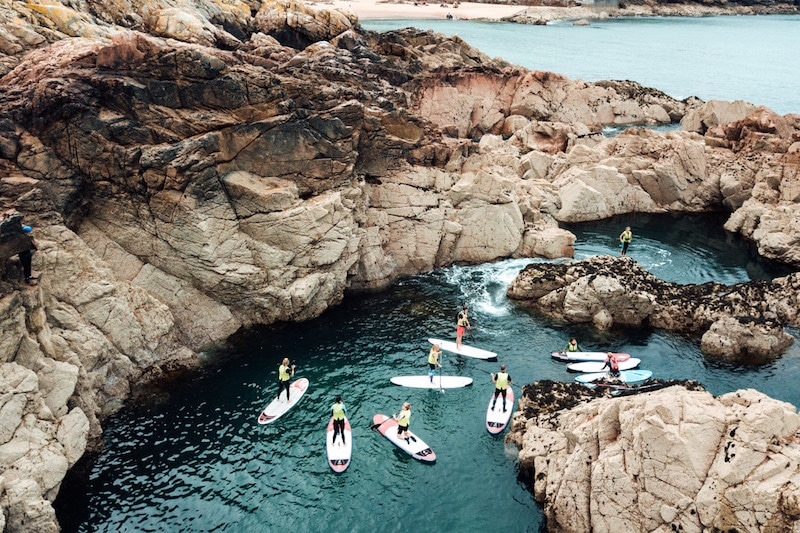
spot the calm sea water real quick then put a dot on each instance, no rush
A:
(193, 457)
(724, 58)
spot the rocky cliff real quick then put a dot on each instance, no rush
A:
(677, 459)
(193, 168)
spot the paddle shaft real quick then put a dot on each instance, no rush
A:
(376, 426)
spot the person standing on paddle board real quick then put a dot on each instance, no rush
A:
(612, 365)
(403, 421)
(338, 410)
(285, 373)
(572, 346)
(433, 361)
(502, 380)
(461, 325)
(624, 240)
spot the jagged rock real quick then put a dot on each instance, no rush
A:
(298, 26)
(27, 511)
(196, 168)
(715, 113)
(731, 337)
(610, 290)
(655, 461)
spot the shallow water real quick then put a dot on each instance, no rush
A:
(195, 459)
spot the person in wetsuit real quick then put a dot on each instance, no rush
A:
(502, 380)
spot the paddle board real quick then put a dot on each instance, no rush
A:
(573, 357)
(469, 351)
(497, 420)
(387, 427)
(627, 376)
(597, 366)
(338, 454)
(279, 406)
(424, 382)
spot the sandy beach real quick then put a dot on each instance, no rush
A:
(417, 9)
(375, 9)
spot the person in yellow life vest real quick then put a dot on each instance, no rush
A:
(433, 361)
(285, 373)
(338, 411)
(403, 421)
(461, 325)
(624, 240)
(502, 380)
(572, 346)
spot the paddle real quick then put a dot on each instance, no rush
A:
(376, 426)
(441, 370)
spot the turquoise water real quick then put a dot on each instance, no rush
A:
(750, 58)
(194, 458)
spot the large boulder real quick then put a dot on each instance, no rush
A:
(674, 459)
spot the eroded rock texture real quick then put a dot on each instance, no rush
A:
(677, 459)
(739, 321)
(193, 168)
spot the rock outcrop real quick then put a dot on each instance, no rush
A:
(191, 169)
(737, 322)
(677, 459)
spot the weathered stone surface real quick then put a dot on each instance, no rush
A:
(730, 338)
(676, 457)
(197, 167)
(714, 113)
(738, 322)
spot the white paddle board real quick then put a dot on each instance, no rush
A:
(574, 357)
(469, 351)
(279, 406)
(339, 454)
(424, 382)
(417, 449)
(597, 366)
(496, 419)
(628, 376)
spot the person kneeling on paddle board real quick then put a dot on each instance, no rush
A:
(338, 410)
(403, 421)
(285, 373)
(572, 346)
(461, 325)
(612, 365)
(501, 382)
(433, 361)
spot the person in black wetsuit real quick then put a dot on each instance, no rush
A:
(26, 257)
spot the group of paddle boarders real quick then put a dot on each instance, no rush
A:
(611, 362)
(339, 436)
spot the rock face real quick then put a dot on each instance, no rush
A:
(670, 460)
(737, 322)
(191, 169)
